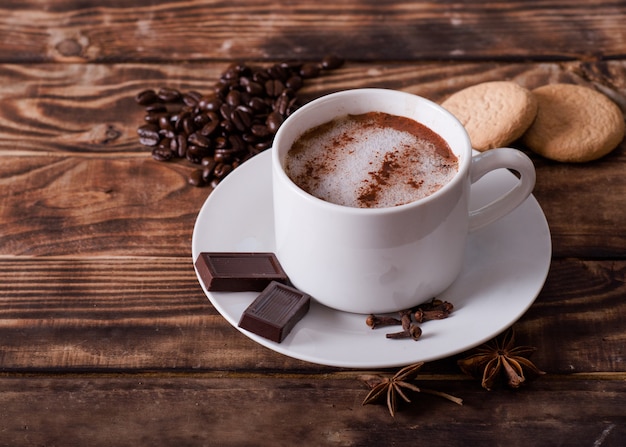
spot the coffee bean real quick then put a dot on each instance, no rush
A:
(223, 155)
(147, 97)
(233, 122)
(331, 62)
(179, 119)
(209, 128)
(177, 144)
(292, 66)
(222, 170)
(235, 71)
(221, 90)
(207, 172)
(165, 123)
(200, 120)
(258, 105)
(208, 161)
(167, 133)
(282, 104)
(236, 143)
(209, 103)
(154, 118)
(261, 146)
(181, 145)
(310, 71)
(274, 87)
(278, 72)
(249, 138)
(254, 88)
(176, 116)
(149, 135)
(227, 126)
(195, 178)
(195, 154)
(156, 108)
(226, 110)
(165, 143)
(199, 140)
(169, 94)
(273, 121)
(188, 125)
(241, 118)
(162, 154)
(233, 98)
(192, 98)
(260, 130)
(294, 83)
(220, 142)
(260, 76)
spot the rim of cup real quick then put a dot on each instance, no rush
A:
(461, 146)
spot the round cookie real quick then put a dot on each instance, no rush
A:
(493, 113)
(574, 124)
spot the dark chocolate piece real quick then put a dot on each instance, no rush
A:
(275, 312)
(239, 271)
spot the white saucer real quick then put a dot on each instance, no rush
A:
(505, 268)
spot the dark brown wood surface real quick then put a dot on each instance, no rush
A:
(106, 337)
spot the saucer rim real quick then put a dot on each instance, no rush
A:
(295, 345)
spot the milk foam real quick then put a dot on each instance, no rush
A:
(362, 162)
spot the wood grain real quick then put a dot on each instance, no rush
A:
(105, 335)
(186, 30)
(90, 108)
(92, 206)
(234, 410)
(150, 314)
(87, 108)
(72, 162)
(135, 206)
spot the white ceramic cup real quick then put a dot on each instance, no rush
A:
(375, 260)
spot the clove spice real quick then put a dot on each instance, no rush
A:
(376, 321)
(409, 329)
(410, 319)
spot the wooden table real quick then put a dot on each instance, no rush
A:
(106, 337)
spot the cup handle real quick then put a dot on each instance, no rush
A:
(496, 159)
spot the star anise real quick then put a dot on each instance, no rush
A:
(393, 386)
(500, 359)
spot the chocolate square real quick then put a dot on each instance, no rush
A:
(275, 312)
(239, 271)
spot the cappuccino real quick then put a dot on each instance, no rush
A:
(372, 160)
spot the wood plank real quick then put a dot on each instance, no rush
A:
(301, 410)
(178, 30)
(150, 314)
(581, 204)
(579, 318)
(97, 206)
(135, 206)
(101, 313)
(67, 128)
(90, 108)
(105, 335)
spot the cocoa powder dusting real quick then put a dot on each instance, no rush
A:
(369, 192)
(370, 160)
